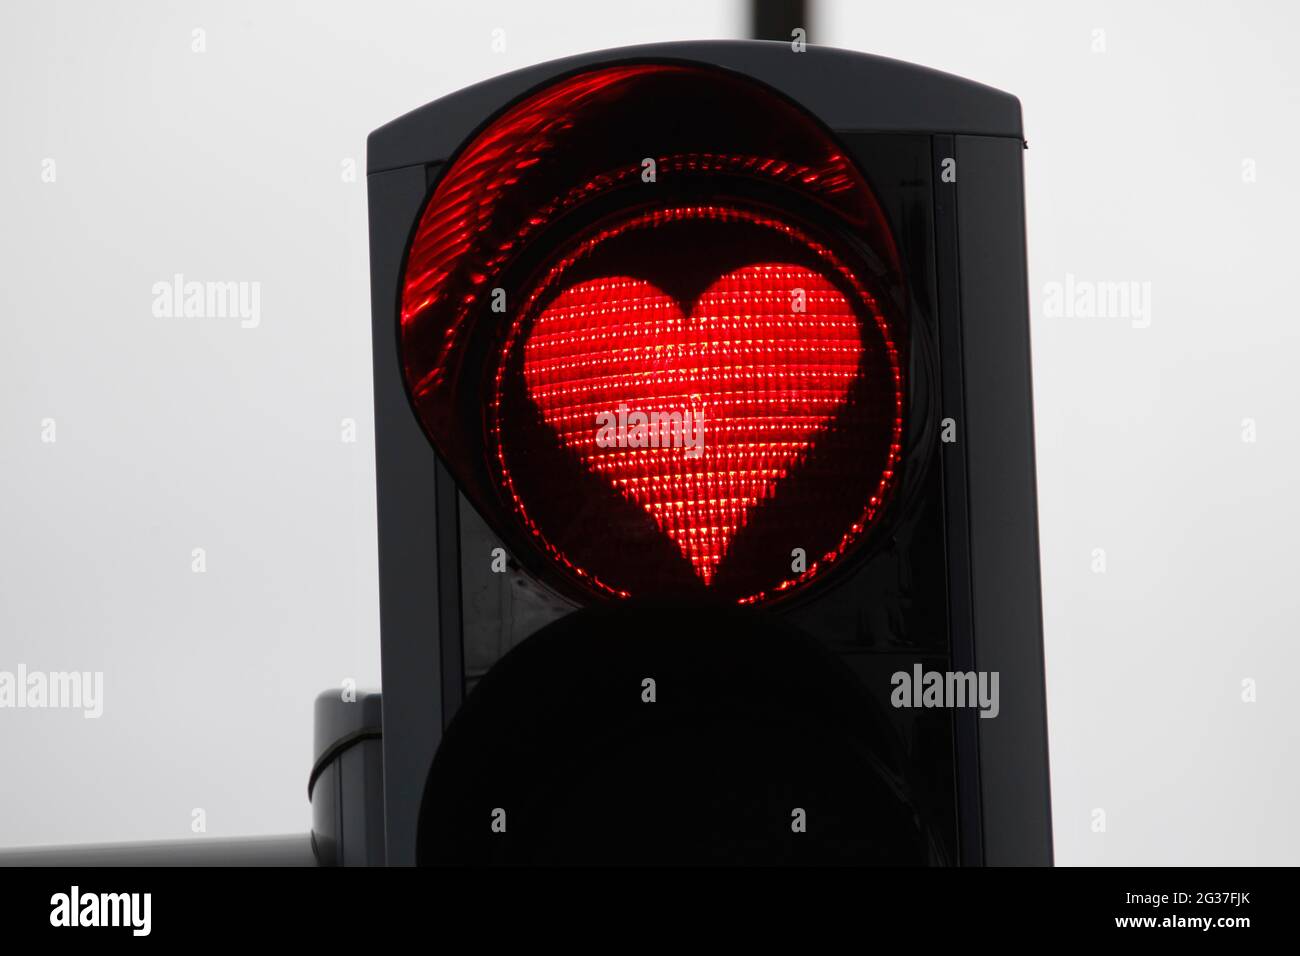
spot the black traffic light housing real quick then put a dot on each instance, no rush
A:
(952, 583)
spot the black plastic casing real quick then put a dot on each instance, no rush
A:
(975, 539)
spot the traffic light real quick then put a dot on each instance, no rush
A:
(707, 522)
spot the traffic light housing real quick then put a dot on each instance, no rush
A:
(679, 639)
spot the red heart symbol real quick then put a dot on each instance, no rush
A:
(764, 377)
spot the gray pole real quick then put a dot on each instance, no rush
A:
(775, 19)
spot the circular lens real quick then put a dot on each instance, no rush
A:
(697, 402)
(750, 720)
(649, 318)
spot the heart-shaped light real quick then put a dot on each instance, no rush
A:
(754, 373)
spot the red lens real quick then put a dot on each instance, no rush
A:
(731, 422)
(696, 389)
(694, 418)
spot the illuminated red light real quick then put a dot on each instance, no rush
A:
(728, 398)
(696, 412)
(704, 300)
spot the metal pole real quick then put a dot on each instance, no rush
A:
(777, 19)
